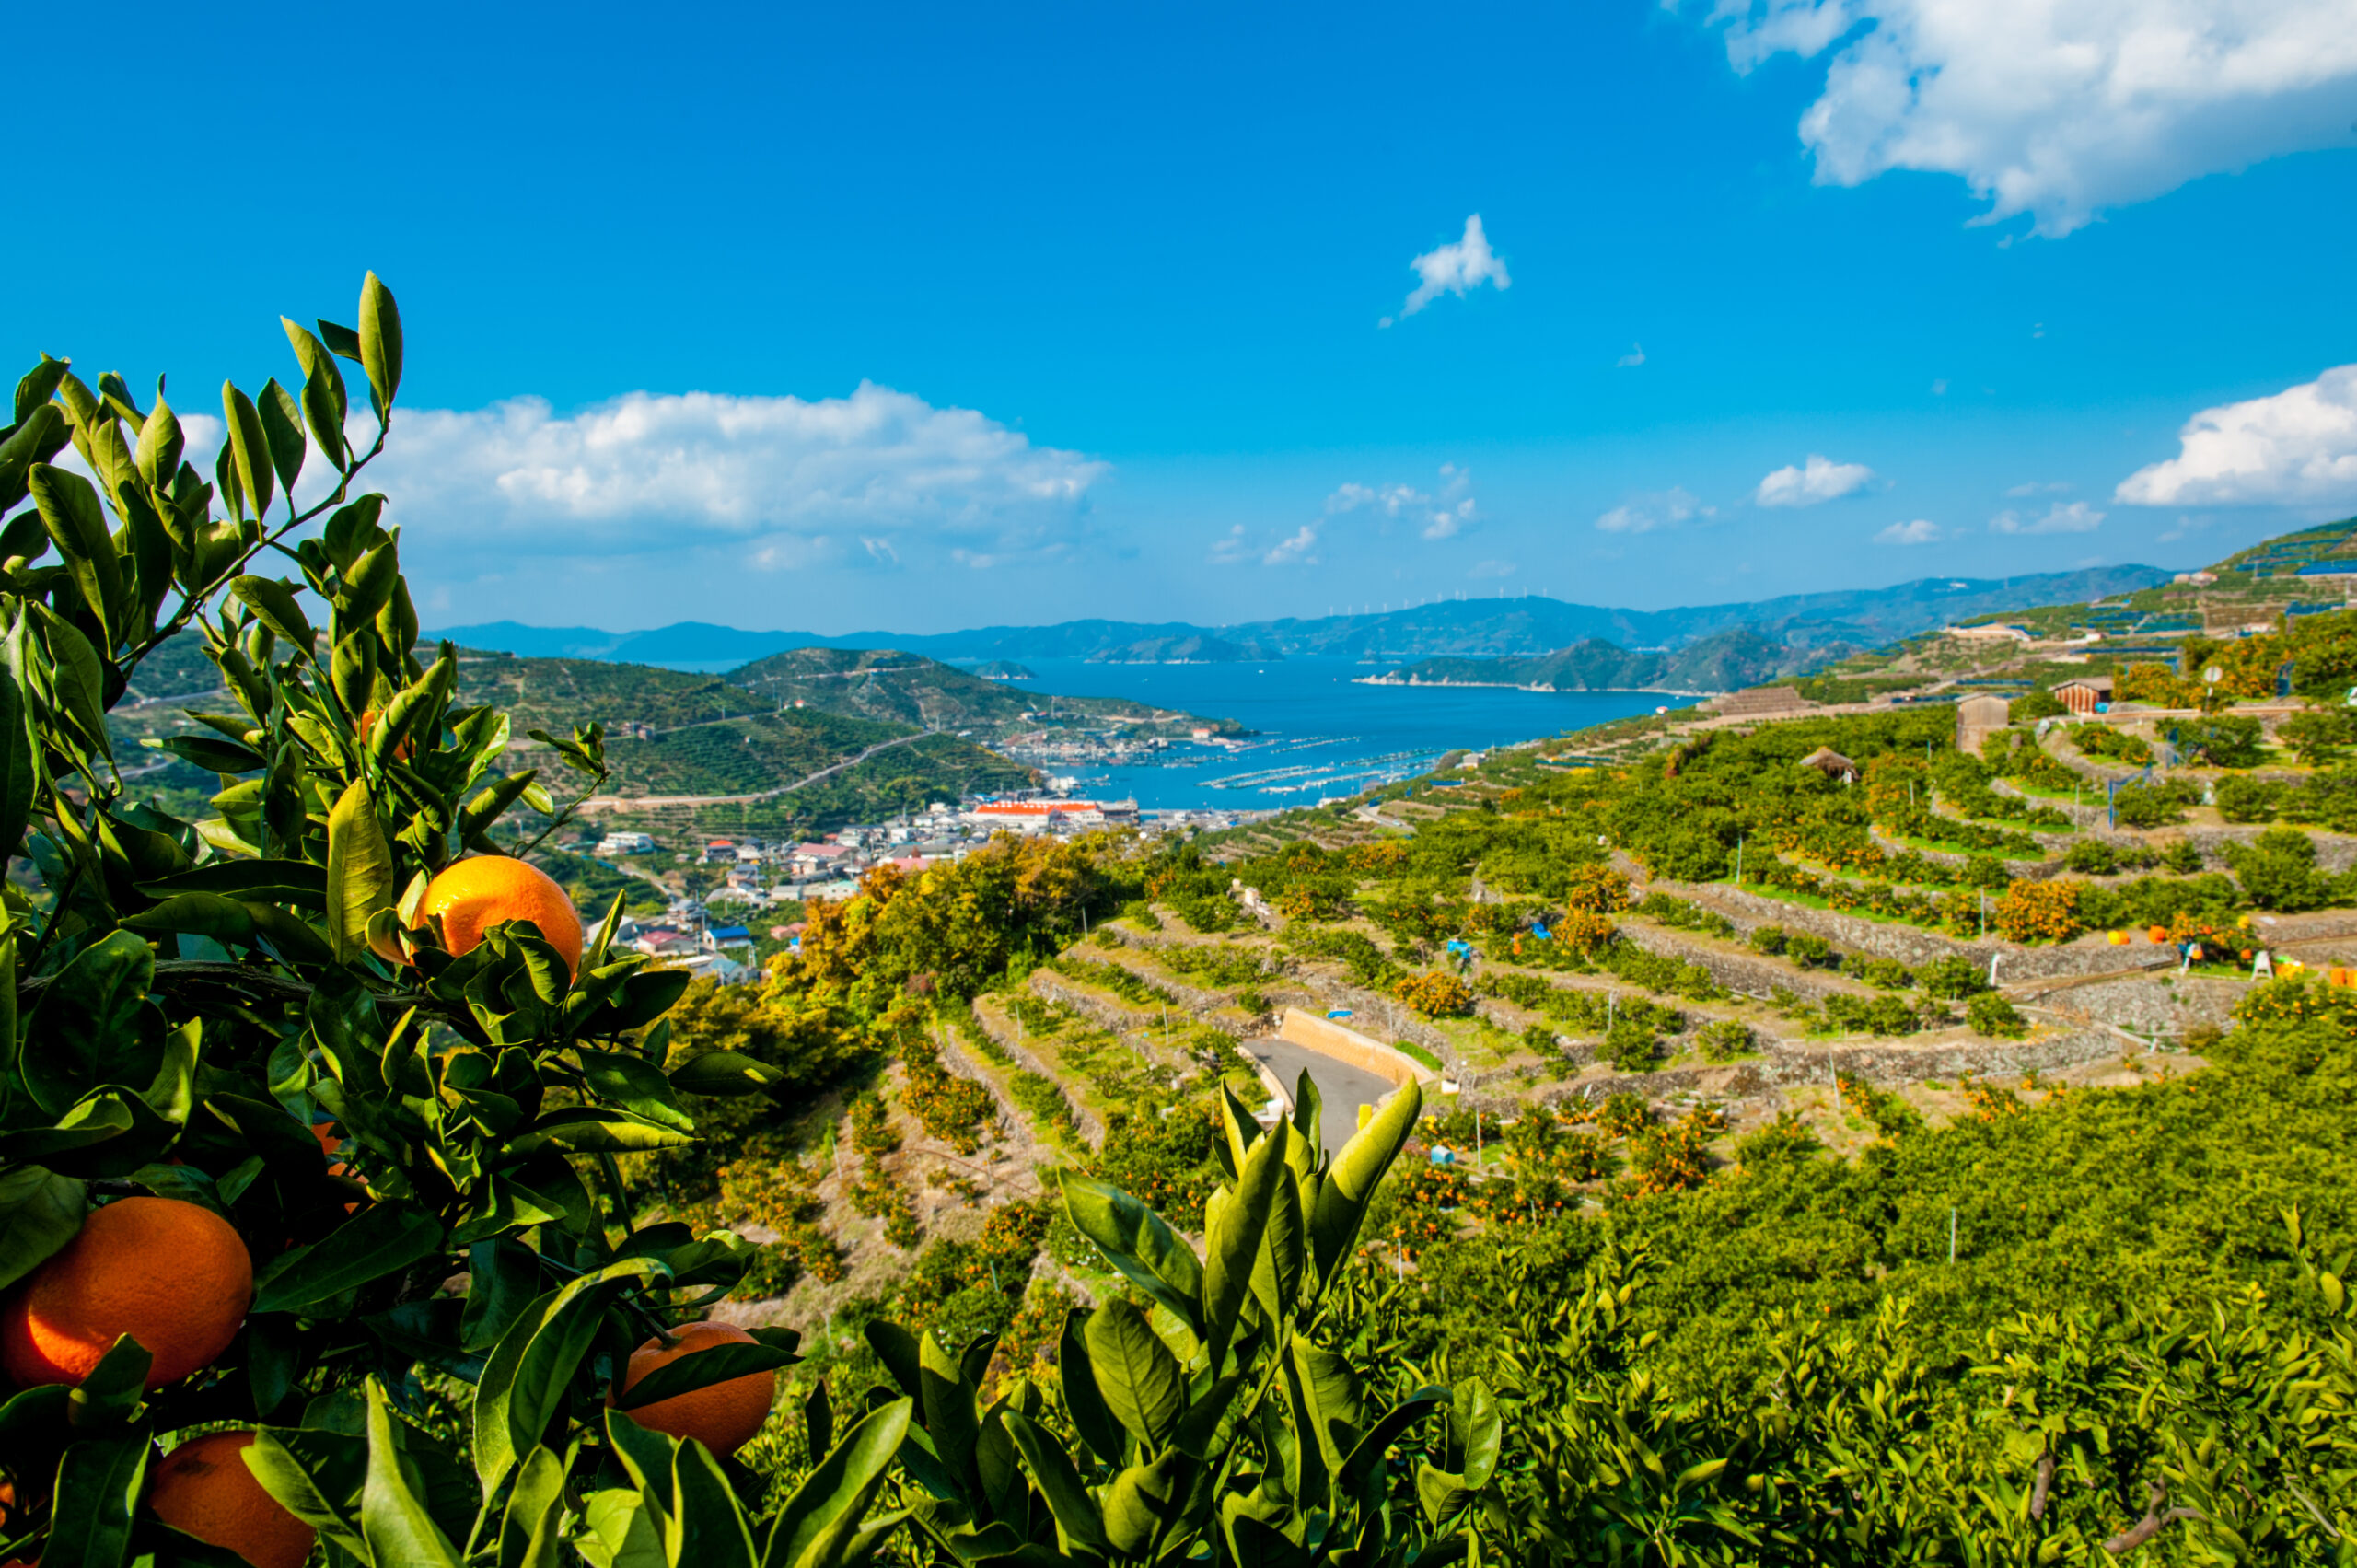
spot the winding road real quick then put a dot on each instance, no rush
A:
(647, 802)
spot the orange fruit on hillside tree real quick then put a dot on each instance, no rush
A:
(172, 1275)
(204, 1489)
(723, 1416)
(479, 893)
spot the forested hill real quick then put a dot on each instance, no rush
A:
(905, 688)
(1721, 662)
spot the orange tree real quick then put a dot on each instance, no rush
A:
(351, 1167)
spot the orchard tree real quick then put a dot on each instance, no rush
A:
(310, 1110)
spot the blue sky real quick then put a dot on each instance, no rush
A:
(925, 317)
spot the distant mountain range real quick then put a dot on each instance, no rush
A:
(1479, 628)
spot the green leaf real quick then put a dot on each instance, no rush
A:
(98, 1495)
(95, 1024)
(820, 1521)
(161, 444)
(360, 873)
(707, 1527)
(1149, 1254)
(1059, 1481)
(1356, 1172)
(635, 1083)
(282, 424)
(315, 1475)
(224, 919)
(77, 525)
(725, 1073)
(39, 1212)
(1365, 1460)
(380, 339)
(394, 1519)
(248, 447)
(525, 1382)
(324, 401)
(215, 756)
(40, 384)
(383, 1239)
(1479, 1427)
(587, 1130)
(270, 881)
(1146, 1502)
(1135, 1372)
(37, 438)
(1090, 1418)
(1237, 1240)
(529, 1535)
(80, 678)
(717, 1363)
(945, 1401)
(19, 761)
(274, 602)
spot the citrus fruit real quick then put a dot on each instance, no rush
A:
(723, 1416)
(204, 1489)
(172, 1275)
(479, 893)
(402, 750)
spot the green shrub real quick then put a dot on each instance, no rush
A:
(1632, 1047)
(1724, 1040)
(1990, 1013)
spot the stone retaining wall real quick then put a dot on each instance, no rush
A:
(1369, 1054)
(1752, 976)
(1083, 1119)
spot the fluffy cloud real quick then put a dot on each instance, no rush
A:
(1643, 514)
(1920, 531)
(774, 481)
(1819, 479)
(2297, 447)
(1300, 548)
(1454, 269)
(2059, 108)
(2074, 517)
(1443, 512)
(1492, 569)
(1630, 360)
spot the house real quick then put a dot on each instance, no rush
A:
(909, 865)
(719, 938)
(663, 942)
(2196, 579)
(1978, 718)
(1831, 763)
(719, 851)
(714, 965)
(627, 843)
(2086, 695)
(810, 860)
(1988, 634)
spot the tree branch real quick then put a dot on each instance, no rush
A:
(2153, 1523)
(2044, 1484)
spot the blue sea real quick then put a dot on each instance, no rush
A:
(1320, 733)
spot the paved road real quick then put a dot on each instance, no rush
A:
(647, 802)
(1341, 1088)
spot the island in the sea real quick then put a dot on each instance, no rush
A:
(1197, 650)
(1725, 661)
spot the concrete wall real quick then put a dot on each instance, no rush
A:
(1329, 1038)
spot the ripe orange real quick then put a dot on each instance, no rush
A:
(723, 1417)
(402, 749)
(172, 1275)
(479, 893)
(204, 1489)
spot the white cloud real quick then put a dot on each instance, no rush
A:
(2053, 487)
(1494, 569)
(1454, 269)
(2074, 517)
(1819, 479)
(773, 481)
(1920, 531)
(1229, 547)
(2298, 447)
(1444, 512)
(1643, 514)
(1300, 548)
(1630, 360)
(2059, 109)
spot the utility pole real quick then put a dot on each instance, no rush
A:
(1951, 1233)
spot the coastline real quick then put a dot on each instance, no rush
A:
(1519, 686)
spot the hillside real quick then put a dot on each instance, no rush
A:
(1192, 649)
(902, 688)
(1721, 662)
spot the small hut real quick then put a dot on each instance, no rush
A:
(1831, 763)
(2085, 695)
